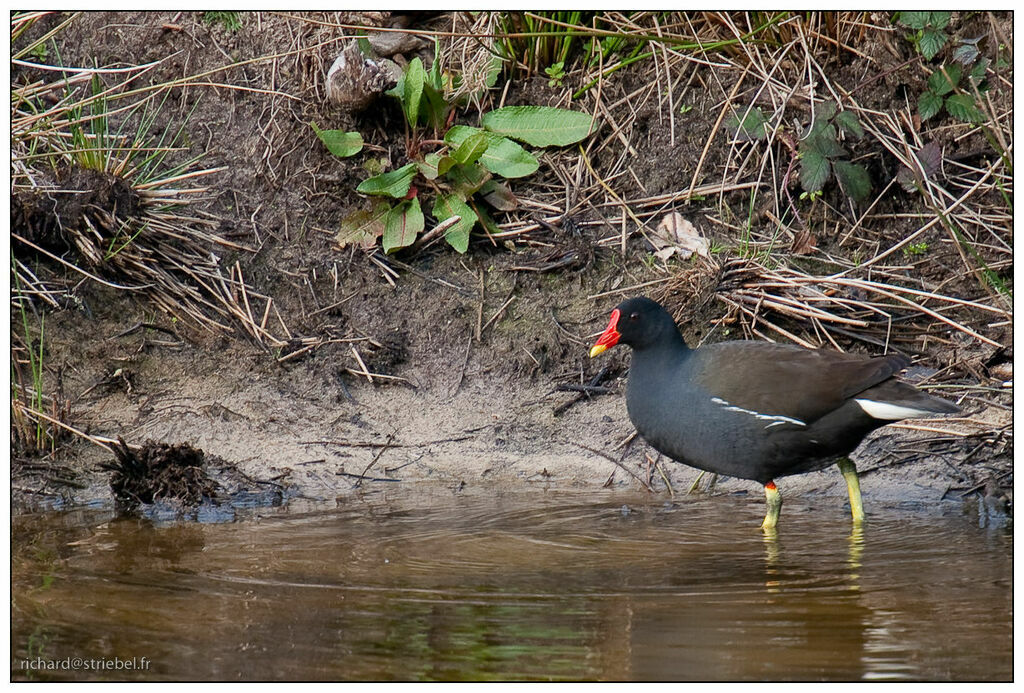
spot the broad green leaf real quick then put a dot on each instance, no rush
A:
(363, 227)
(961, 107)
(471, 148)
(451, 205)
(434, 75)
(751, 127)
(540, 126)
(339, 142)
(393, 183)
(944, 79)
(915, 20)
(402, 224)
(939, 20)
(457, 134)
(825, 110)
(824, 140)
(499, 196)
(931, 42)
(495, 68)
(434, 106)
(444, 163)
(434, 165)
(853, 179)
(966, 52)
(977, 73)
(412, 90)
(815, 171)
(466, 179)
(928, 104)
(428, 171)
(503, 156)
(508, 159)
(848, 122)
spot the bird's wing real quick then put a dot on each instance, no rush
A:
(788, 381)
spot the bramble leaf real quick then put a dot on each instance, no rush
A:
(914, 20)
(848, 122)
(751, 127)
(931, 42)
(815, 171)
(961, 107)
(928, 104)
(945, 79)
(853, 179)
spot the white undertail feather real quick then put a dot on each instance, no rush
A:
(891, 412)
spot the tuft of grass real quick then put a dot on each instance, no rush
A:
(35, 416)
(228, 19)
(537, 41)
(102, 187)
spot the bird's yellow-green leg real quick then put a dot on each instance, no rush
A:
(849, 471)
(774, 498)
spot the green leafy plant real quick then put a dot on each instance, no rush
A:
(556, 72)
(915, 249)
(468, 166)
(1004, 58)
(822, 155)
(228, 19)
(953, 87)
(748, 125)
(929, 36)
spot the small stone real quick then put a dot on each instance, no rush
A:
(355, 81)
(388, 43)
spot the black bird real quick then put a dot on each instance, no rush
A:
(756, 410)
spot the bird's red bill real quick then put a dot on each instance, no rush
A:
(608, 338)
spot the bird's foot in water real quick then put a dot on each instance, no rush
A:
(774, 498)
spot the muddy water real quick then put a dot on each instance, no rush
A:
(523, 586)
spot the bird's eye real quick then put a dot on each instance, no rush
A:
(634, 316)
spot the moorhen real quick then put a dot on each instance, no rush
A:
(756, 410)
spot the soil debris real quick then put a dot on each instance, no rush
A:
(160, 471)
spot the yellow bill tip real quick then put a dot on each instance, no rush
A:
(597, 349)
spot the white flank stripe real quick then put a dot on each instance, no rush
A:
(889, 411)
(776, 419)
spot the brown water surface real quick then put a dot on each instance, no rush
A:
(519, 586)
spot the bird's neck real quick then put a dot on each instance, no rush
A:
(662, 354)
